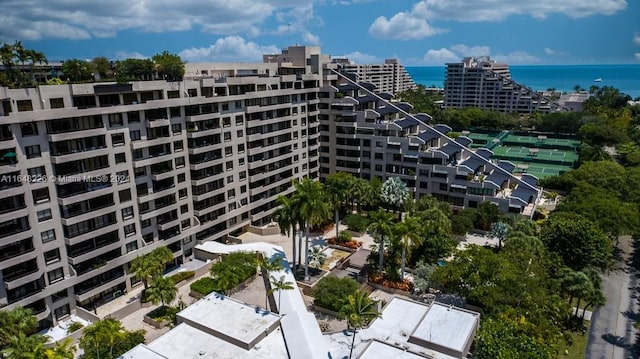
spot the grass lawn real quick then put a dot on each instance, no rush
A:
(579, 346)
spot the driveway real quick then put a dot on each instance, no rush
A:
(612, 335)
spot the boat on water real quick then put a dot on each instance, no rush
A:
(597, 80)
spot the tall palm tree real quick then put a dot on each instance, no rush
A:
(285, 216)
(312, 209)
(107, 331)
(143, 269)
(394, 193)
(22, 346)
(278, 285)
(359, 311)
(162, 290)
(269, 265)
(381, 229)
(34, 58)
(411, 236)
(161, 256)
(63, 350)
(338, 187)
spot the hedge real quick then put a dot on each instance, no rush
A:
(180, 276)
(204, 285)
(356, 222)
(332, 292)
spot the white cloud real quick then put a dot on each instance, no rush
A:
(517, 58)
(402, 26)
(637, 56)
(310, 39)
(497, 10)
(73, 19)
(549, 51)
(636, 38)
(362, 58)
(456, 52)
(228, 49)
(439, 57)
(123, 55)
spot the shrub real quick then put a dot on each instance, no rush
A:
(356, 222)
(404, 285)
(353, 244)
(74, 326)
(204, 285)
(332, 292)
(179, 277)
(344, 236)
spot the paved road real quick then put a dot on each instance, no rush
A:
(612, 334)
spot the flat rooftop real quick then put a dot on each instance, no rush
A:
(218, 314)
(185, 341)
(377, 350)
(399, 319)
(447, 326)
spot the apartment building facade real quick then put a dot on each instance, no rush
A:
(368, 134)
(487, 84)
(390, 77)
(94, 175)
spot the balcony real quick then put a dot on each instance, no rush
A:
(159, 122)
(25, 291)
(86, 289)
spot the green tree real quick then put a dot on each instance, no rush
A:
(62, 350)
(381, 227)
(169, 66)
(578, 285)
(486, 214)
(338, 188)
(578, 241)
(331, 292)
(99, 339)
(500, 338)
(268, 265)
(15, 321)
(76, 70)
(278, 285)
(359, 311)
(162, 290)
(410, 233)
(310, 205)
(134, 69)
(394, 193)
(102, 66)
(286, 218)
(151, 265)
(22, 346)
(499, 230)
(422, 276)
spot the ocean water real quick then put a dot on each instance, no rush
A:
(626, 78)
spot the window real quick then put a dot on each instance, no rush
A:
(125, 195)
(229, 165)
(134, 135)
(184, 208)
(132, 246)
(115, 120)
(57, 296)
(40, 195)
(127, 213)
(181, 177)
(178, 146)
(241, 161)
(48, 236)
(232, 206)
(62, 312)
(226, 122)
(176, 128)
(444, 187)
(192, 92)
(228, 151)
(56, 102)
(179, 162)
(24, 105)
(243, 189)
(239, 120)
(36, 174)
(140, 171)
(231, 193)
(182, 193)
(230, 179)
(52, 256)
(243, 202)
(29, 129)
(145, 223)
(241, 148)
(227, 136)
(117, 139)
(122, 176)
(44, 215)
(133, 117)
(185, 224)
(129, 230)
(120, 158)
(32, 151)
(137, 154)
(240, 133)
(243, 175)
(225, 106)
(55, 275)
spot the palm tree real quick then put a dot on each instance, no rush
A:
(278, 285)
(312, 209)
(162, 290)
(499, 230)
(285, 216)
(143, 269)
(22, 346)
(381, 228)
(411, 236)
(108, 330)
(576, 284)
(317, 257)
(14, 321)
(162, 256)
(359, 311)
(338, 186)
(226, 279)
(394, 193)
(35, 57)
(63, 350)
(269, 265)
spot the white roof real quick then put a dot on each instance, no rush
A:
(399, 319)
(212, 314)
(447, 326)
(377, 350)
(185, 341)
(142, 351)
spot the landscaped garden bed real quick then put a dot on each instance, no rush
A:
(377, 279)
(233, 272)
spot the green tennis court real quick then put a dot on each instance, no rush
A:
(540, 155)
(541, 142)
(539, 170)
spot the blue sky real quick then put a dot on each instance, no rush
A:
(419, 33)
